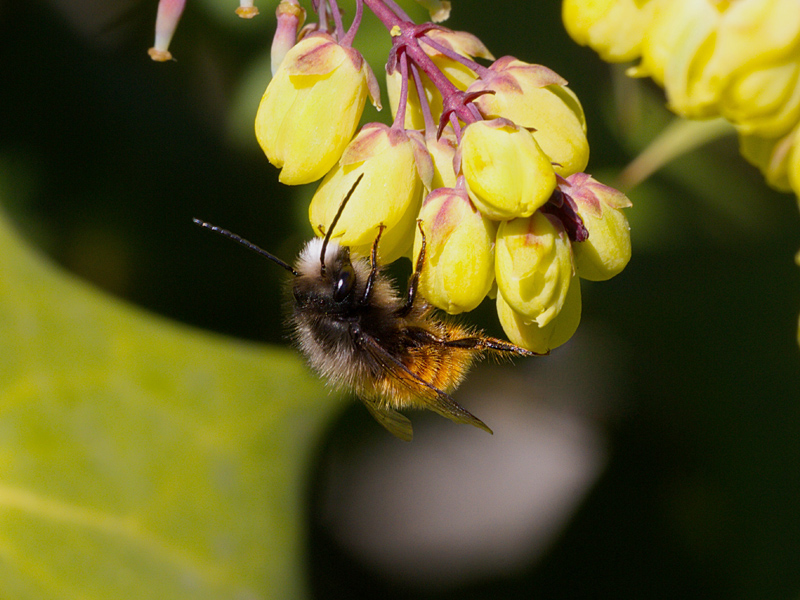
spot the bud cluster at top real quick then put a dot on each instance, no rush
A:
(739, 59)
(486, 159)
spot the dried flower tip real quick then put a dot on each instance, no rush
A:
(169, 13)
(246, 9)
(290, 16)
(438, 9)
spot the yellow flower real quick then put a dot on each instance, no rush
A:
(442, 151)
(311, 108)
(613, 28)
(533, 266)
(507, 173)
(534, 97)
(756, 63)
(676, 50)
(793, 167)
(459, 74)
(395, 165)
(528, 334)
(608, 248)
(438, 9)
(459, 257)
(771, 156)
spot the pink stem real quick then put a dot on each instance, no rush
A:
(470, 64)
(430, 127)
(400, 117)
(337, 19)
(347, 40)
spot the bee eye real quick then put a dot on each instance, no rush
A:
(344, 283)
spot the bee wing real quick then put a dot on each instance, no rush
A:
(398, 425)
(445, 405)
(437, 400)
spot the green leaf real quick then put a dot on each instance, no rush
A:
(140, 458)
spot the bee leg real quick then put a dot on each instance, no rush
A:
(488, 343)
(373, 272)
(413, 281)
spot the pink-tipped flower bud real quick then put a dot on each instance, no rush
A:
(312, 106)
(608, 249)
(535, 97)
(533, 266)
(394, 164)
(507, 173)
(459, 256)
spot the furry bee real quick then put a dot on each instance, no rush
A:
(357, 333)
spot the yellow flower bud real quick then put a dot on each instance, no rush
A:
(442, 152)
(756, 63)
(608, 248)
(459, 75)
(459, 255)
(771, 156)
(438, 9)
(613, 28)
(533, 266)
(536, 98)
(528, 334)
(793, 167)
(390, 193)
(507, 173)
(311, 108)
(675, 52)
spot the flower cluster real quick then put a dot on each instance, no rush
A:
(739, 59)
(485, 161)
(489, 160)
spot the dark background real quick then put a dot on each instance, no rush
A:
(109, 156)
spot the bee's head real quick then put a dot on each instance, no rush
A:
(325, 275)
(331, 281)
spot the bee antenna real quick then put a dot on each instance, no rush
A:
(247, 244)
(333, 223)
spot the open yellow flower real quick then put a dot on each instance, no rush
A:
(756, 63)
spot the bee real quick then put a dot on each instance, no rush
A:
(359, 334)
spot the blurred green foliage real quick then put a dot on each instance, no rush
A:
(140, 458)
